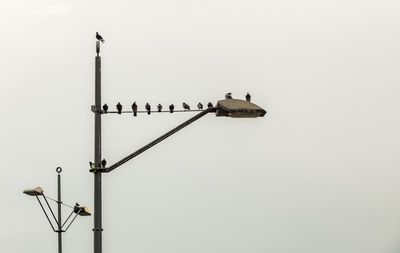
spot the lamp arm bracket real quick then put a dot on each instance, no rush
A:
(156, 141)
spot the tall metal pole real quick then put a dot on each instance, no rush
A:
(97, 156)
(59, 209)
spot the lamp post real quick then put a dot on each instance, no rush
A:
(234, 108)
(77, 209)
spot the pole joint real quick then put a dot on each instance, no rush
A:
(96, 109)
(99, 169)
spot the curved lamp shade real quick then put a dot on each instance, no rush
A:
(84, 211)
(34, 191)
(237, 108)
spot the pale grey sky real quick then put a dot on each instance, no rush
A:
(320, 173)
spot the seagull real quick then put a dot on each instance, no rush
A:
(210, 105)
(185, 106)
(248, 97)
(103, 163)
(105, 108)
(159, 107)
(200, 106)
(228, 95)
(119, 108)
(98, 37)
(134, 109)
(148, 108)
(171, 108)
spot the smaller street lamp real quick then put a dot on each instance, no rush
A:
(59, 228)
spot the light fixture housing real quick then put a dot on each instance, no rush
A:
(82, 210)
(34, 191)
(237, 108)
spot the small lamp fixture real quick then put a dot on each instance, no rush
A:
(34, 191)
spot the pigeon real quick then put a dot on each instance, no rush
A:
(171, 108)
(210, 105)
(148, 108)
(159, 107)
(105, 108)
(248, 97)
(185, 106)
(103, 163)
(119, 108)
(228, 95)
(134, 109)
(200, 106)
(98, 37)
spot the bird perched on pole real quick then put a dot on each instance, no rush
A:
(105, 108)
(228, 95)
(159, 107)
(148, 108)
(119, 108)
(200, 106)
(248, 97)
(103, 163)
(171, 108)
(210, 105)
(185, 106)
(134, 109)
(98, 37)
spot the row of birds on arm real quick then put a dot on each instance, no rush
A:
(185, 106)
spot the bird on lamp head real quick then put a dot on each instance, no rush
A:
(171, 108)
(200, 106)
(159, 107)
(98, 37)
(248, 97)
(228, 95)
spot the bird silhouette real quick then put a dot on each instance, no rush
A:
(77, 204)
(185, 106)
(228, 95)
(159, 107)
(200, 106)
(105, 108)
(171, 108)
(103, 163)
(148, 108)
(134, 109)
(210, 105)
(98, 37)
(119, 108)
(248, 97)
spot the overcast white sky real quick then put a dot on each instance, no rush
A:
(319, 173)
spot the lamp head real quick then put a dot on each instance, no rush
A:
(82, 210)
(34, 191)
(237, 108)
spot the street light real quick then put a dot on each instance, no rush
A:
(237, 108)
(230, 107)
(77, 209)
